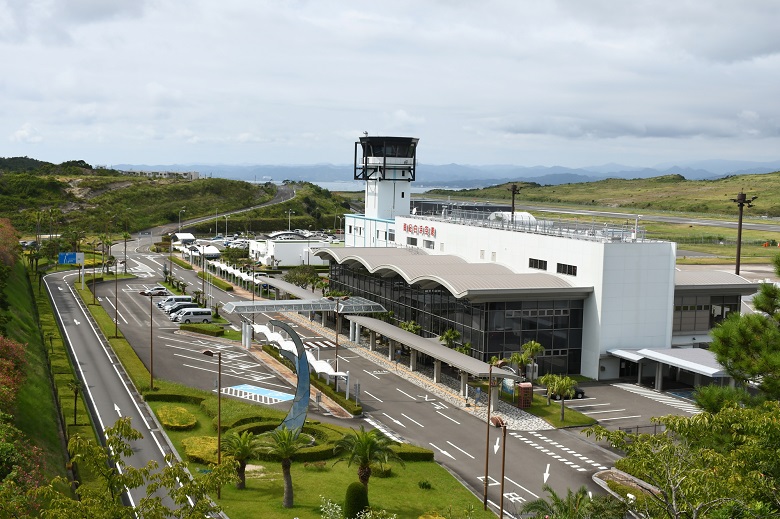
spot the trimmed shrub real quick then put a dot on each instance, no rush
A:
(356, 500)
(180, 262)
(424, 485)
(409, 452)
(200, 449)
(213, 330)
(219, 283)
(162, 396)
(176, 418)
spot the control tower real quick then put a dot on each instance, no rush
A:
(387, 165)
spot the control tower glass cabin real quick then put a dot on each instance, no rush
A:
(387, 165)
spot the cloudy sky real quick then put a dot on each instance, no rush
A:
(570, 82)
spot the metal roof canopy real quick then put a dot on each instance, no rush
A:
(695, 360)
(353, 305)
(432, 348)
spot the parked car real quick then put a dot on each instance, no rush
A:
(578, 393)
(173, 299)
(178, 306)
(155, 291)
(193, 315)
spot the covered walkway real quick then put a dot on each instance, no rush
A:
(676, 361)
(466, 364)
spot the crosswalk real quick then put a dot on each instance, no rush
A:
(316, 345)
(257, 395)
(663, 398)
(383, 429)
(557, 451)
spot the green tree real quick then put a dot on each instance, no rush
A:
(242, 447)
(411, 327)
(125, 237)
(302, 276)
(712, 398)
(531, 350)
(576, 505)
(748, 345)
(115, 476)
(75, 386)
(561, 386)
(449, 337)
(283, 443)
(366, 448)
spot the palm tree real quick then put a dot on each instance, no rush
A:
(576, 505)
(75, 386)
(366, 448)
(242, 447)
(284, 443)
(125, 236)
(559, 385)
(531, 349)
(548, 380)
(449, 337)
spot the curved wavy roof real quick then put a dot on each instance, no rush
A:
(464, 280)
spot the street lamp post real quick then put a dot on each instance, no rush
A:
(741, 202)
(503, 470)
(487, 421)
(210, 353)
(226, 219)
(290, 212)
(116, 300)
(338, 301)
(151, 345)
(182, 210)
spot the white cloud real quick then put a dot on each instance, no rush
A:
(299, 81)
(26, 134)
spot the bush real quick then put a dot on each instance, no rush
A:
(219, 283)
(162, 396)
(356, 500)
(200, 449)
(176, 418)
(213, 330)
(409, 452)
(424, 485)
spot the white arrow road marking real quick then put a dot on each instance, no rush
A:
(116, 408)
(442, 451)
(59, 288)
(546, 473)
(495, 447)
(75, 321)
(393, 419)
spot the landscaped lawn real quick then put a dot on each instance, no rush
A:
(399, 493)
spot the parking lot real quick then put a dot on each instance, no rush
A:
(626, 405)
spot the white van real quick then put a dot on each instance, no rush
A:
(194, 315)
(173, 299)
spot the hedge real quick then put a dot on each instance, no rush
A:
(180, 262)
(200, 449)
(176, 418)
(214, 330)
(162, 396)
(409, 452)
(217, 282)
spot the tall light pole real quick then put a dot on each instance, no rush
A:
(289, 219)
(116, 300)
(487, 421)
(741, 202)
(226, 219)
(182, 210)
(151, 345)
(210, 353)
(337, 309)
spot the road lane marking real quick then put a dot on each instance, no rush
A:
(461, 450)
(407, 394)
(600, 412)
(412, 420)
(448, 418)
(372, 396)
(371, 374)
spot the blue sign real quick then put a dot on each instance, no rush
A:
(71, 258)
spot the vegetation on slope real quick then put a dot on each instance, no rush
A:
(665, 193)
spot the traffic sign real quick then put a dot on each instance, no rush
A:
(71, 258)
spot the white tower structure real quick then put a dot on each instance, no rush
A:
(387, 165)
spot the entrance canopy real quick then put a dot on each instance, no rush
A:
(353, 305)
(695, 360)
(432, 348)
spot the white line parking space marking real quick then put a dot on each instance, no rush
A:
(662, 398)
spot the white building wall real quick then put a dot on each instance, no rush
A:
(286, 253)
(360, 231)
(633, 283)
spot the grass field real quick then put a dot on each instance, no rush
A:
(400, 493)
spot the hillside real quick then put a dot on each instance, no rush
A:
(665, 193)
(48, 198)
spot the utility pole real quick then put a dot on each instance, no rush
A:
(514, 190)
(741, 202)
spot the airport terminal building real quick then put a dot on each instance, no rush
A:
(600, 299)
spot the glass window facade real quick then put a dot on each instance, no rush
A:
(493, 328)
(702, 312)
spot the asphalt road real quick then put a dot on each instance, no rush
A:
(396, 406)
(106, 387)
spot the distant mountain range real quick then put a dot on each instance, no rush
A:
(459, 176)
